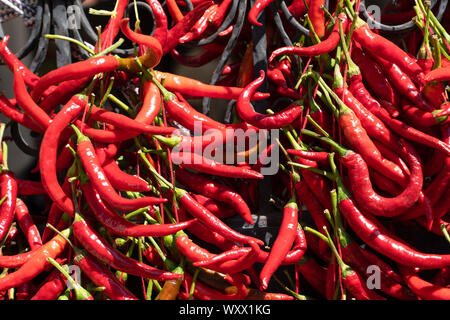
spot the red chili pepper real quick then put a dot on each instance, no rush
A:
(48, 152)
(375, 77)
(203, 215)
(8, 191)
(184, 25)
(8, 109)
(201, 25)
(368, 198)
(94, 171)
(283, 242)
(102, 276)
(100, 249)
(219, 209)
(214, 190)
(120, 226)
(29, 187)
(438, 74)
(379, 46)
(23, 98)
(265, 121)
(204, 57)
(297, 8)
(27, 225)
(36, 264)
(52, 287)
(313, 273)
(13, 63)
(202, 232)
(160, 18)
(369, 231)
(195, 88)
(119, 179)
(112, 28)
(316, 14)
(325, 46)
(148, 42)
(422, 288)
(206, 165)
(256, 10)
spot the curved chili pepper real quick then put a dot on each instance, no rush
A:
(27, 225)
(48, 152)
(297, 8)
(379, 46)
(438, 74)
(205, 165)
(100, 249)
(29, 187)
(202, 232)
(283, 242)
(52, 287)
(215, 224)
(369, 199)
(119, 179)
(201, 25)
(256, 10)
(219, 209)
(315, 50)
(204, 57)
(264, 121)
(375, 76)
(36, 264)
(62, 93)
(160, 18)
(195, 88)
(376, 238)
(318, 156)
(214, 190)
(316, 14)
(401, 82)
(122, 227)
(102, 276)
(422, 288)
(399, 127)
(94, 171)
(357, 137)
(23, 99)
(149, 42)
(8, 189)
(8, 109)
(184, 25)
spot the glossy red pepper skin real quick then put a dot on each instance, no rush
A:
(102, 276)
(100, 249)
(422, 288)
(325, 46)
(35, 264)
(100, 182)
(369, 199)
(27, 225)
(264, 121)
(13, 63)
(203, 215)
(87, 68)
(10, 111)
(122, 227)
(317, 16)
(376, 238)
(52, 287)
(438, 74)
(207, 187)
(8, 186)
(282, 244)
(49, 149)
(382, 47)
(161, 24)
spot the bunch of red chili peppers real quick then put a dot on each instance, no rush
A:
(363, 167)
